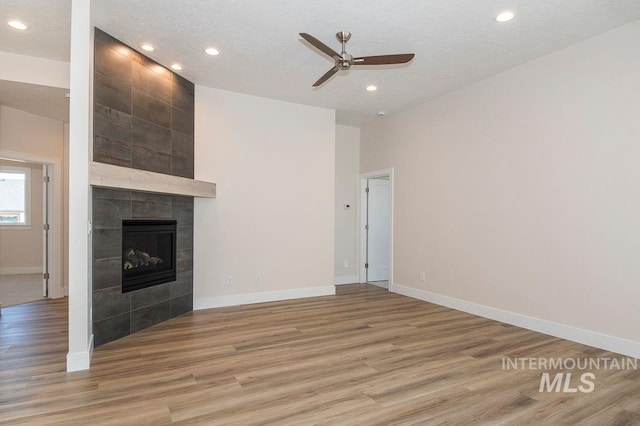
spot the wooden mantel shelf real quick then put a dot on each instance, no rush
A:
(109, 176)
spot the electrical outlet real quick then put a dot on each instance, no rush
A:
(345, 264)
(258, 278)
(423, 276)
(229, 280)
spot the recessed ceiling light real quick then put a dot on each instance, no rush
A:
(505, 16)
(148, 47)
(176, 67)
(17, 25)
(371, 88)
(212, 51)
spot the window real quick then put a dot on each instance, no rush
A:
(15, 196)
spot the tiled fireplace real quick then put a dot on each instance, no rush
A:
(143, 119)
(117, 314)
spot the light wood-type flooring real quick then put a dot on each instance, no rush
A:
(362, 357)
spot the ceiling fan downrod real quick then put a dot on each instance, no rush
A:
(346, 60)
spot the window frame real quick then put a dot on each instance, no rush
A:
(27, 197)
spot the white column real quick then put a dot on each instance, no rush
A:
(80, 337)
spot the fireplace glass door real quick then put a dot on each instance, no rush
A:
(148, 253)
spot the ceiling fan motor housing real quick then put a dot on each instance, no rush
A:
(345, 62)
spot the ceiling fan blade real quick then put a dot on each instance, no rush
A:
(384, 59)
(320, 45)
(326, 77)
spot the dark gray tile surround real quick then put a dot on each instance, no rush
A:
(143, 113)
(116, 315)
(143, 119)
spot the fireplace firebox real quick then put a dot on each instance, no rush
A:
(148, 253)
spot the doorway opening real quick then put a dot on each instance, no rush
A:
(29, 263)
(376, 228)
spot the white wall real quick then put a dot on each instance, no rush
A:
(27, 69)
(273, 163)
(518, 196)
(346, 192)
(21, 248)
(28, 133)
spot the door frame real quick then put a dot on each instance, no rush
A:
(362, 236)
(55, 201)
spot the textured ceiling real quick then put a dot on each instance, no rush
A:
(49, 24)
(456, 42)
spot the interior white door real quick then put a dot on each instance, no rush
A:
(45, 230)
(378, 230)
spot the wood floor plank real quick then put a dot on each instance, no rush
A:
(363, 356)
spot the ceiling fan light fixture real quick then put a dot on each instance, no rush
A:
(212, 51)
(505, 16)
(18, 25)
(148, 47)
(371, 88)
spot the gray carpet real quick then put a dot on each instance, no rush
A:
(18, 289)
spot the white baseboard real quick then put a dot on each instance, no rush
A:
(345, 279)
(603, 341)
(21, 270)
(78, 361)
(267, 296)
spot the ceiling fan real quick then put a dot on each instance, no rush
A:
(344, 61)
